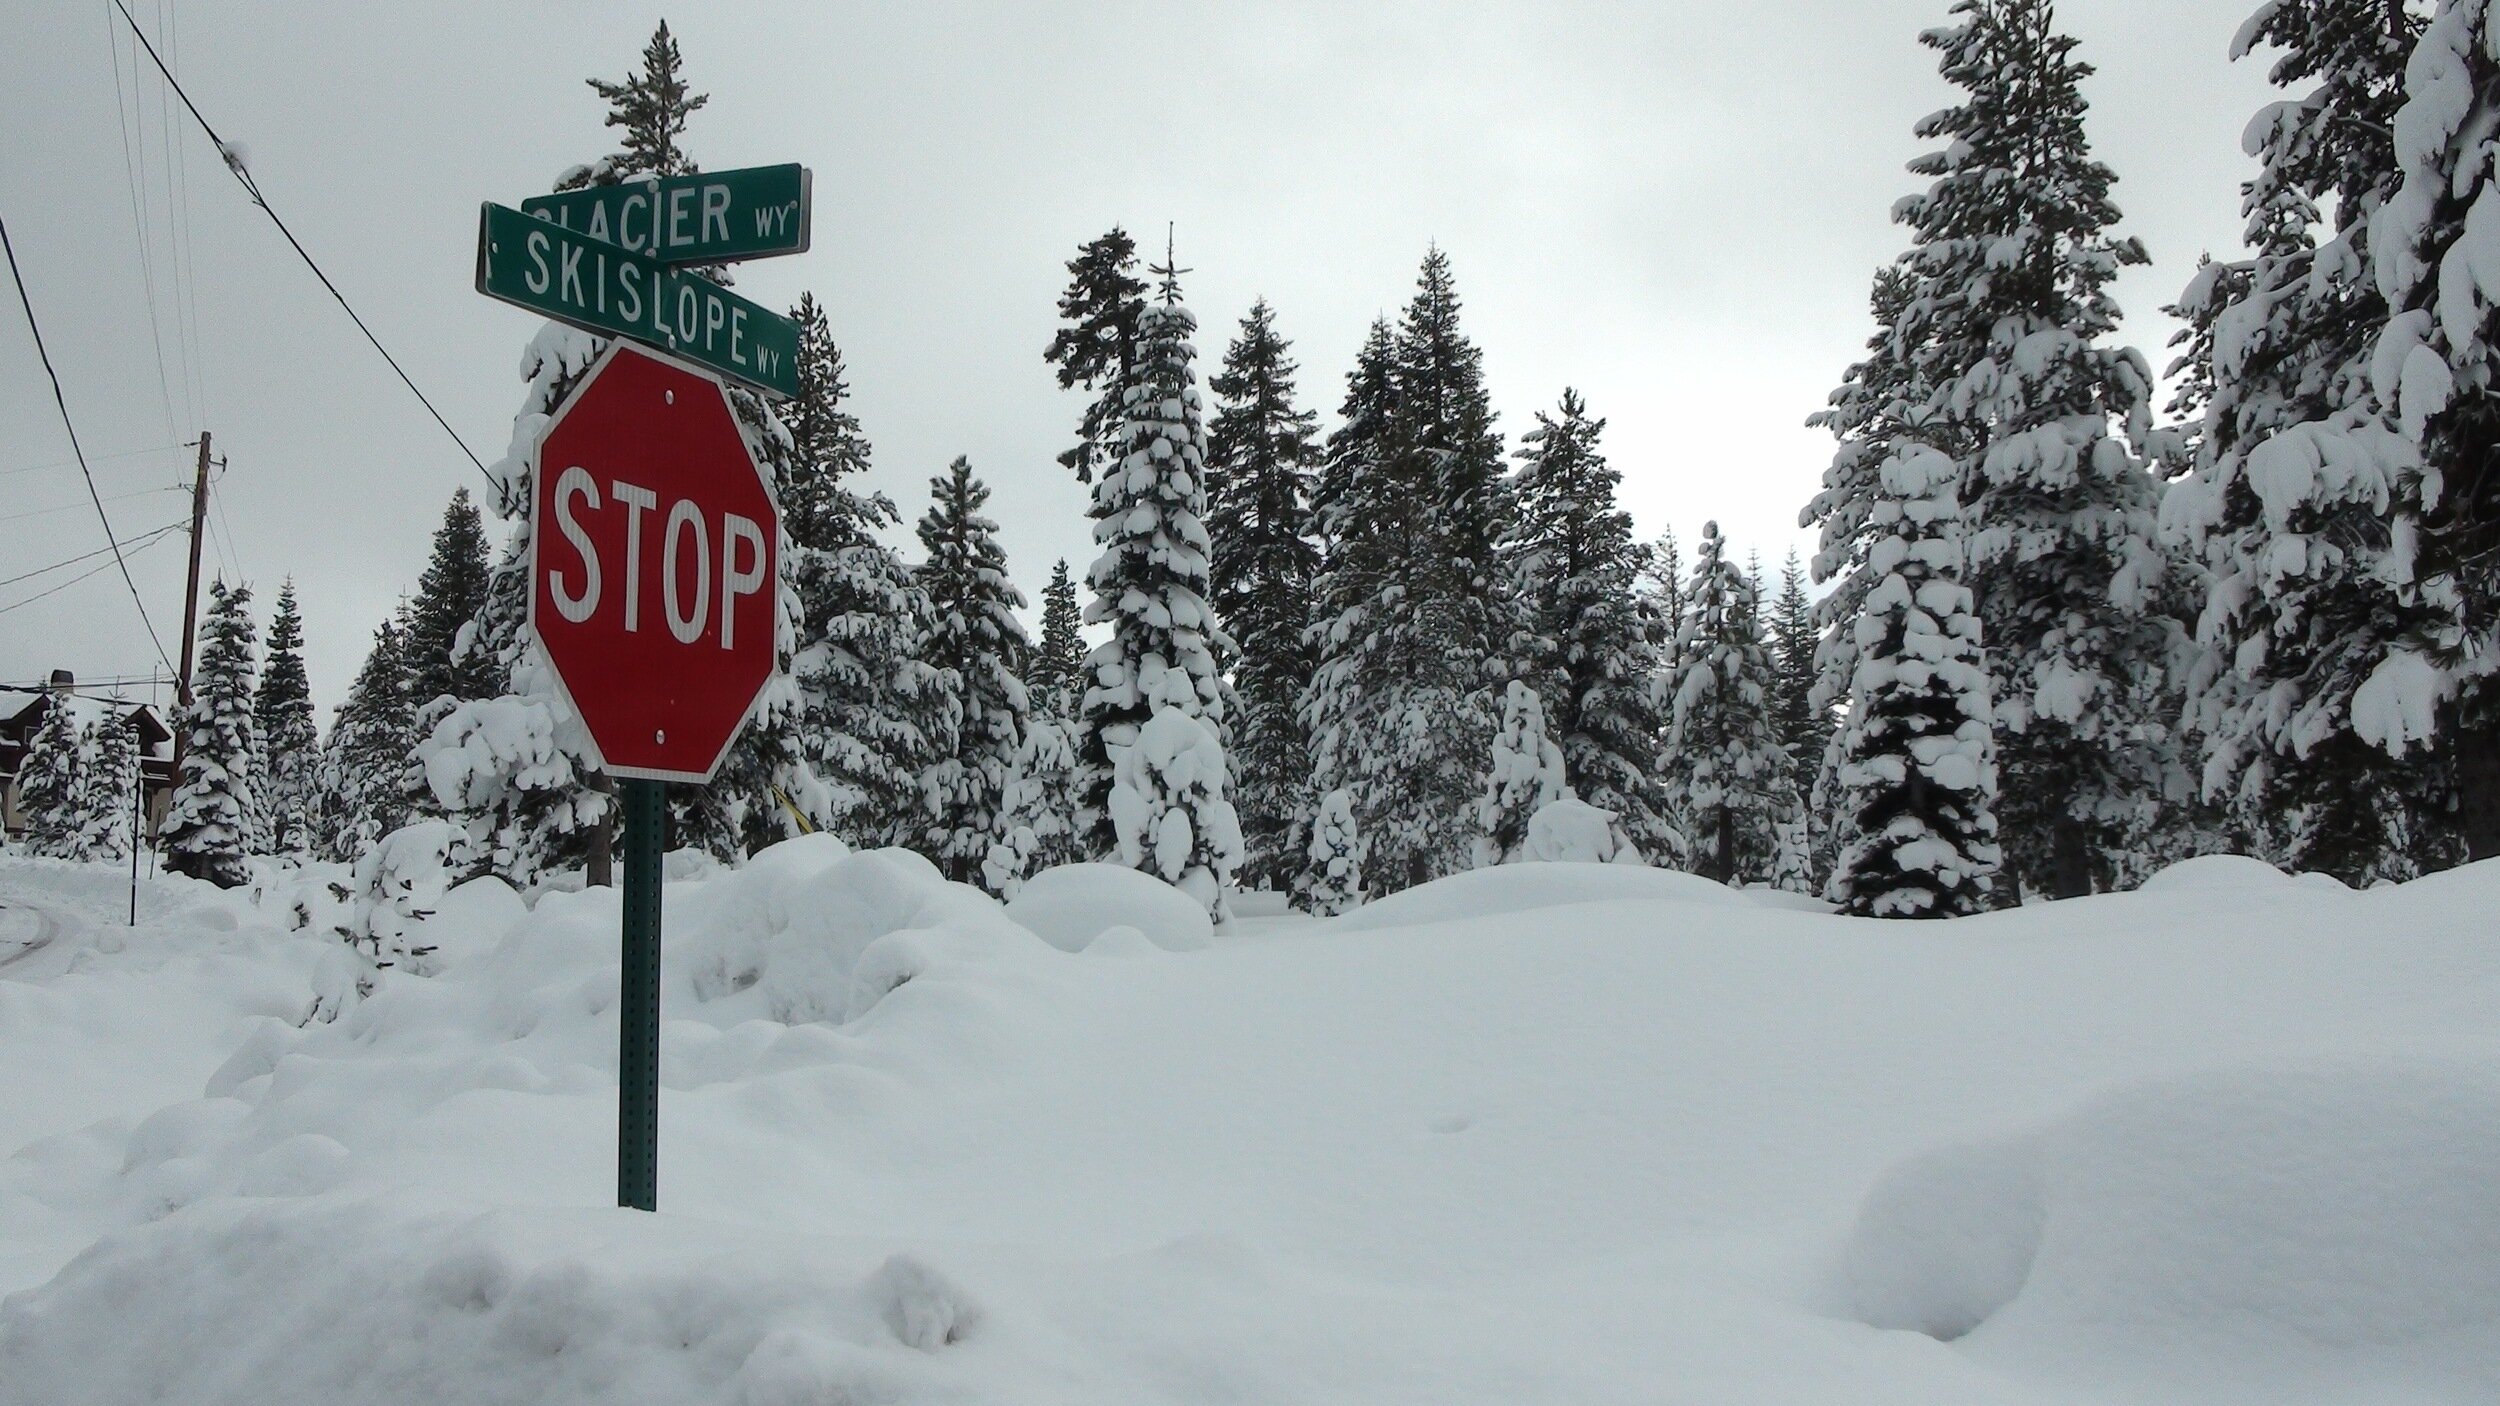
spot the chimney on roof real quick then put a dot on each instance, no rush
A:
(63, 682)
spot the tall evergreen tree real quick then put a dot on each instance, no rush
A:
(359, 776)
(1662, 578)
(652, 107)
(1725, 772)
(1151, 586)
(1803, 728)
(2436, 370)
(1998, 336)
(1262, 452)
(1578, 568)
(2290, 504)
(1417, 625)
(282, 718)
(974, 635)
(1917, 769)
(108, 789)
(1054, 677)
(450, 596)
(207, 828)
(49, 787)
(1096, 347)
(874, 715)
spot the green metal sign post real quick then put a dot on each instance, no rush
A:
(638, 1047)
(755, 213)
(616, 292)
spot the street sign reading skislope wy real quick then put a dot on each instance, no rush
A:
(753, 213)
(654, 565)
(609, 289)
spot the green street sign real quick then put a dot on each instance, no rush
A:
(753, 213)
(603, 288)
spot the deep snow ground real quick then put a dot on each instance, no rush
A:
(1552, 1133)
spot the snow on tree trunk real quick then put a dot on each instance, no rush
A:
(1525, 776)
(1917, 756)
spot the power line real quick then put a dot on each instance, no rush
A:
(65, 507)
(44, 354)
(94, 459)
(131, 166)
(152, 539)
(234, 163)
(82, 556)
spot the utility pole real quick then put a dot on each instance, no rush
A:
(190, 608)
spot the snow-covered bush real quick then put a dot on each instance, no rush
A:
(1526, 775)
(398, 884)
(1575, 832)
(1333, 880)
(1169, 810)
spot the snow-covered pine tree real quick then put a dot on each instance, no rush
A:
(1803, 728)
(874, 715)
(1917, 769)
(207, 827)
(1999, 334)
(1151, 586)
(451, 593)
(1525, 776)
(49, 786)
(1332, 881)
(108, 786)
(973, 635)
(1096, 347)
(1662, 578)
(282, 719)
(1578, 569)
(1262, 450)
(1417, 626)
(362, 797)
(1037, 813)
(1054, 676)
(1865, 414)
(1726, 774)
(2290, 505)
(2436, 368)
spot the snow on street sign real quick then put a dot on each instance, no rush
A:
(654, 554)
(611, 290)
(754, 213)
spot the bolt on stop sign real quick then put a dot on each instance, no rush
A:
(654, 554)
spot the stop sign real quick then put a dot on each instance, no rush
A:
(654, 553)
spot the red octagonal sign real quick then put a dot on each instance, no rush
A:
(654, 555)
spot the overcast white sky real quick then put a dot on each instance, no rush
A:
(1674, 206)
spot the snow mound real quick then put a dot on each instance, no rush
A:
(2231, 873)
(2353, 1205)
(1522, 888)
(813, 934)
(1068, 907)
(547, 1308)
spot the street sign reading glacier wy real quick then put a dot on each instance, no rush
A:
(753, 213)
(608, 289)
